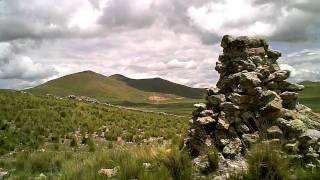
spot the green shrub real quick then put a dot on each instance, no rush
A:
(74, 142)
(91, 145)
(178, 164)
(213, 158)
(265, 162)
(308, 174)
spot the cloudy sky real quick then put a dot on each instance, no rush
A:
(173, 39)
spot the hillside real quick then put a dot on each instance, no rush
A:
(310, 96)
(161, 86)
(66, 139)
(116, 88)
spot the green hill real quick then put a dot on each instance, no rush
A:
(310, 96)
(66, 139)
(161, 86)
(116, 88)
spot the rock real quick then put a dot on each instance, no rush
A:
(3, 174)
(287, 86)
(233, 148)
(202, 163)
(250, 79)
(72, 96)
(229, 107)
(213, 90)
(250, 139)
(273, 54)
(216, 100)
(205, 120)
(41, 177)
(218, 178)
(280, 75)
(274, 132)
(146, 165)
(207, 113)
(109, 172)
(222, 124)
(200, 106)
(290, 99)
(238, 99)
(251, 98)
(293, 127)
(292, 147)
(271, 101)
(310, 136)
(242, 128)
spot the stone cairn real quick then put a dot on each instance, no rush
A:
(253, 102)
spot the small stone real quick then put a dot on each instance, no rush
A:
(216, 100)
(250, 139)
(243, 128)
(293, 126)
(201, 106)
(274, 131)
(280, 75)
(3, 174)
(250, 79)
(310, 136)
(292, 148)
(273, 54)
(229, 107)
(205, 120)
(272, 142)
(222, 124)
(213, 90)
(146, 165)
(109, 172)
(206, 113)
(290, 99)
(218, 178)
(233, 148)
(238, 99)
(287, 86)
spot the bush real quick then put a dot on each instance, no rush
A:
(178, 164)
(74, 142)
(91, 145)
(309, 174)
(213, 158)
(265, 162)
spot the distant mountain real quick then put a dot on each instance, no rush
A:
(117, 88)
(161, 86)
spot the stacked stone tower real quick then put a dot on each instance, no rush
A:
(252, 101)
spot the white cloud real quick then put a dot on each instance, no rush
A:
(173, 39)
(304, 65)
(20, 67)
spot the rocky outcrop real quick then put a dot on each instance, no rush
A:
(251, 102)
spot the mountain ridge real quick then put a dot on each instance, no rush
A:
(116, 87)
